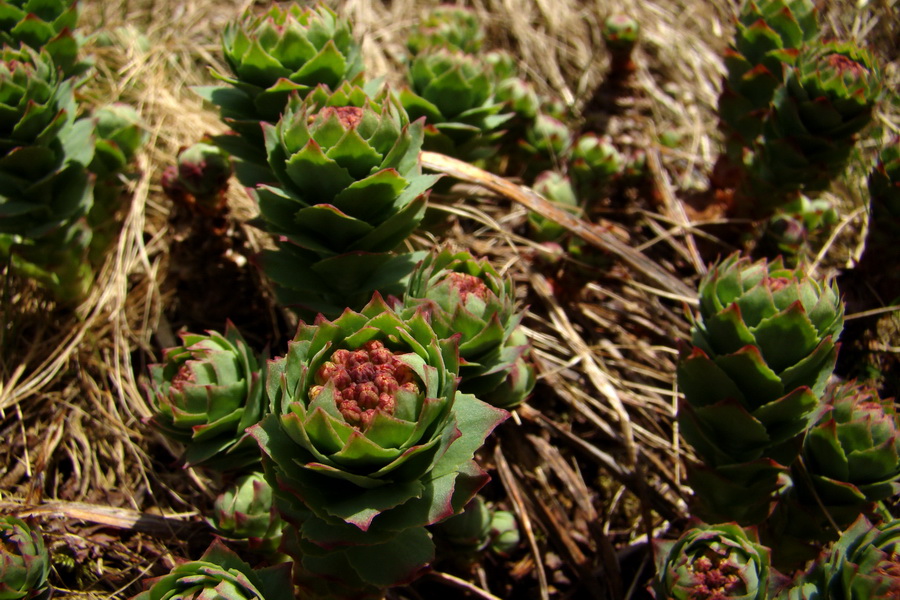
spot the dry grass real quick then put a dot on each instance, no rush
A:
(591, 465)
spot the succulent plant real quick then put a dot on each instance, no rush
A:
(789, 231)
(350, 190)
(769, 35)
(829, 96)
(862, 565)
(205, 394)
(763, 349)
(520, 98)
(546, 145)
(48, 25)
(24, 562)
(287, 50)
(245, 513)
(620, 34)
(46, 189)
(594, 161)
(556, 188)
(884, 225)
(118, 137)
(455, 93)
(220, 573)
(477, 528)
(369, 443)
(200, 178)
(446, 26)
(713, 561)
(467, 297)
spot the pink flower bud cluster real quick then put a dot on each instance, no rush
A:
(716, 579)
(467, 284)
(366, 381)
(183, 377)
(349, 116)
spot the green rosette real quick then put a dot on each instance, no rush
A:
(205, 394)
(454, 92)
(446, 26)
(349, 191)
(245, 514)
(48, 25)
(713, 561)
(468, 298)
(24, 562)
(289, 49)
(220, 573)
(369, 442)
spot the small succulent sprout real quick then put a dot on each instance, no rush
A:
(864, 564)
(24, 562)
(556, 188)
(548, 142)
(520, 97)
(200, 178)
(447, 26)
(350, 190)
(468, 532)
(455, 93)
(620, 34)
(790, 229)
(205, 394)
(220, 573)
(713, 561)
(467, 297)
(829, 96)
(502, 63)
(594, 161)
(852, 454)
(245, 513)
(369, 443)
(505, 536)
(48, 26)
(763, 350)
(118, 136)
(287, 50)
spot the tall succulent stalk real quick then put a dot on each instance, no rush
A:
(349, 191)
(762, 350)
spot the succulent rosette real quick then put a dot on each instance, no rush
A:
(546, 145)
(24, 562)
(369, 443)
(768, 37)
(620, 34)
(200, 178)
(864, 564)
(48, 25)
(556, 188)
(467, 297)
(449, 27)
(119, 135)
(287, 50)
(478, 527)
(763, 349)
(454, 91)
(829, 96)
(594, 161)
(350, 190)
(205, 394)
(713, 561)
(220, 573)
(245, 513)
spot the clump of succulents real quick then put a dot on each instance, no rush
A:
(862, 565)
(884, 224)
(244, 513)
(48, 26)
(221, 573)
(851, 460)
(287, 50)
(205, 394)
(467, 297)
(447, 26)
(620, 34)
(24, 562)
(762, 351)
(478, 528)
(829, 96)
(713, 561)
(768, 37)
(46, 192)
(369, 442)
(350, 190)
(199, 179)
(454, 92)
